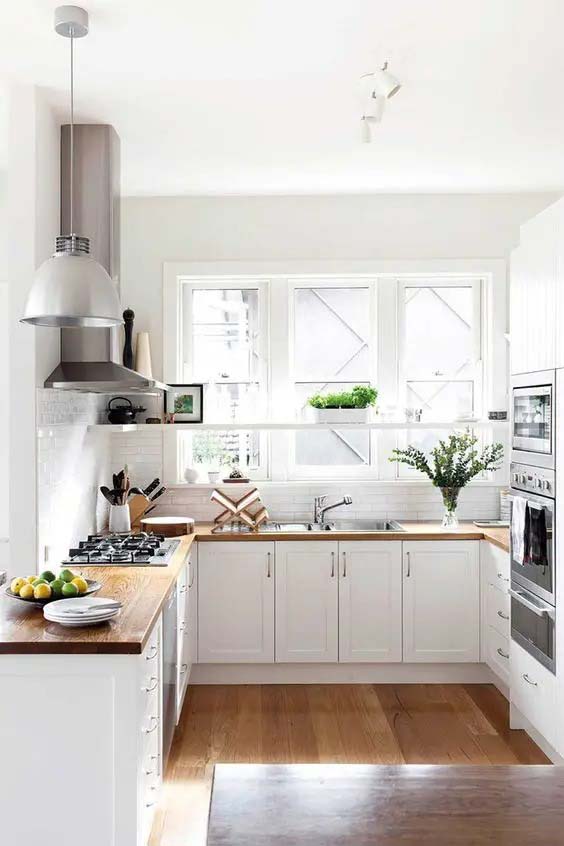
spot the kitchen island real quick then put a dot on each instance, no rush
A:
(84, 710)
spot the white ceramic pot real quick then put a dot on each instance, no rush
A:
(213, 476)
(190, 475)
(120, 519)
(341, 415)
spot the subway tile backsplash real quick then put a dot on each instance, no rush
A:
(74, 461)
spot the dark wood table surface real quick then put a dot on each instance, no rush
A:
(350, 805)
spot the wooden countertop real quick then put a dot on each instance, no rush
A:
(143, 590)
(370, 805)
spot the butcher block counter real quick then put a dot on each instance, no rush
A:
(143, 590)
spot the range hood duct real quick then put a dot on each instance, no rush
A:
(89, 357)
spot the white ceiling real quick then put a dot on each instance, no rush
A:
(262, 96)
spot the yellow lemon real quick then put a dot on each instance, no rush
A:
(80, 583)
(26, 592)
(30, 579)
(17, 584)
(42, 591)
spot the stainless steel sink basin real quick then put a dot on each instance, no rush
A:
(366, 526)
(334, 526)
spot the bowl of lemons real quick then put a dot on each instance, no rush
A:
(38, 590)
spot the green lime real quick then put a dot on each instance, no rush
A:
(69, 589)
(66, 575)
(57, 587)
(39, 581)
(48, 575)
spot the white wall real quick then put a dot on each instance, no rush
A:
(432, 226)
(33, 223)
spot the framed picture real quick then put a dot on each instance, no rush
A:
(185, 403)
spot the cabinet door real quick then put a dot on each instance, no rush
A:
(236, 602)
(307, 601)
(370, 605)
(192, 611)
(441, 601)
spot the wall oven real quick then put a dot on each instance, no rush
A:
(532, 418)
(533, 572)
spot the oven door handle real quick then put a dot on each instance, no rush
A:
(540, 612)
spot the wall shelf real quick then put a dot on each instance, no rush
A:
(267, 426)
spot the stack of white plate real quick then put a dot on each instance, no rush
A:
(82, 611)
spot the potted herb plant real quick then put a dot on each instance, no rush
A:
(344, 407)
(452, 464)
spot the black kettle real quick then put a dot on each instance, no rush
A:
(123, 413)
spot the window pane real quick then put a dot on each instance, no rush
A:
(233, 401)
(331, 330)
(225, 334)
(205, 450)
(424, 439)
(441, 400)
(438, 331)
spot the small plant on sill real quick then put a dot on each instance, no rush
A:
(361, 396)
(455, 462)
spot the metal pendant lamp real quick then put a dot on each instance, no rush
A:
(71, 288)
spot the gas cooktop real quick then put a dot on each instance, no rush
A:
(123, 550)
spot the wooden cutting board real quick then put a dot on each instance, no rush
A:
(170, 527)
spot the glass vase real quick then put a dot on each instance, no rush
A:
(450, 502)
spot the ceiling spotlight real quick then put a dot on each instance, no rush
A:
(386, 83)
(374, 108)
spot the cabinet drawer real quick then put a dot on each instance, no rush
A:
(498, 610)
(497, 654)
(533, 692)
(498, 571)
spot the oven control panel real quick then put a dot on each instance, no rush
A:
(537, 480)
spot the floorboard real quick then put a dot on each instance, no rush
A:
(347, 724)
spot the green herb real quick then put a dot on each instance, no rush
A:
(454, 462)
(361, 396)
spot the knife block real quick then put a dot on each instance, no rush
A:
(137, 507)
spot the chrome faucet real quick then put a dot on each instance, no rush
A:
(320, 509)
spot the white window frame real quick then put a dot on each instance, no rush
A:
(492, 272)
(302, 472)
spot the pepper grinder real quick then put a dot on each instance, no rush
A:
(128, 318)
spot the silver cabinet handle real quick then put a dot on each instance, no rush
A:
(150, 772)
(149, 657)
(332, 565)
(182, 590)
(191, 575)
(529, 680)
(154, 725)
(150, 804)
(183, 668)
(502, 615)
(268, 557)
(502, 577)
(408, 559)
(182, 625)
(502, 653)
(344, 565)
(539, 610)
(153, 684)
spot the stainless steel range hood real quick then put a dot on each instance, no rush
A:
(89, 357)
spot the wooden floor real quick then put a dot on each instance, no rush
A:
(352, 724)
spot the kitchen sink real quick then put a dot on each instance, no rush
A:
(333, 526)
(366, 526)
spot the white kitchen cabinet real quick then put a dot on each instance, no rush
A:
(307, 581)
(534, 693)
(536, 298)
(186, 626)
(441, 601)
(236, 602)
(370, 601)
